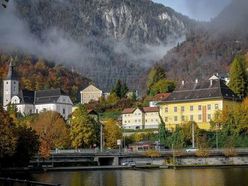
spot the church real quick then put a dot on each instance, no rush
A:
(30, 102)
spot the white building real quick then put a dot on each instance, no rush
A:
(141, 118)
(28, 102)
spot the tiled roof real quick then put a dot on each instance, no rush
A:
(150, 109)
(128, 110)
(47, 96)
(160, 96)
(202, 91)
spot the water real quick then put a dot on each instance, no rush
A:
(162, 177)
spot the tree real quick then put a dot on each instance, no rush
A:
(52, 130)
(155, 74)
(238, 78)
(120, 89)
(84, 132)
(27, 145)
(162, 86)
(112, 133)
(7, 138)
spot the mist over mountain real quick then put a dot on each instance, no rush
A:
(210, 47)
(104, 40)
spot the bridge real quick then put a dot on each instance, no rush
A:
(93, 157)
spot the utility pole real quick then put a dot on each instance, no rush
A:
(101, 132)
(193, 135)
(217, 140)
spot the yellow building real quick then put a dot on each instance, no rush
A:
(196, 102)
(140, 118)
(90, 93)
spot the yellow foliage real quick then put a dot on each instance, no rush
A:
(112, 133)
(152, 153)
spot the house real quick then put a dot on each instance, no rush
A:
(28, 102)
(197, 102)
(140, 118)
(224, 77)
(90, 93)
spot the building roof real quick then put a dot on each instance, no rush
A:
(27, 96)
(150, 109)
(144, 110)
(47, 96)
(128, 110)
(201, 91)
(160, 96)
(11, 72)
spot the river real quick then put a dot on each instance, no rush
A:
(160, 177)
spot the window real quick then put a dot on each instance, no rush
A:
(7, 82)
(166, 109)
(175, 109)
(199, 117)
(14, 82)
(125, 121)
(209, 116)
(146, 120)
(183, 118)
(166, 119)
(135, 120)
(191, 108)
(30, 111)
(199, 107)
(36, 111)
(209, 107)
(191, 117)
(175, 118)
(63, 111)
(216, 106)
(182, 108)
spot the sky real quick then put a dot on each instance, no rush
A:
(202, 10)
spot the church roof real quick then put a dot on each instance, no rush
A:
(27, 96)
(201, 91)
(47, 96)
(11, 73)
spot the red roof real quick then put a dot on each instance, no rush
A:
(161, 96)
(128, 110)
(151, 109)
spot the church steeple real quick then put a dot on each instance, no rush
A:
(11, 73)
(10, 85)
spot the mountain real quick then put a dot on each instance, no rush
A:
(210, 47)
(104, 40)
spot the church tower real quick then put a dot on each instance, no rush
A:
(10, 85)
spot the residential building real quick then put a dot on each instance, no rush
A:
(28, 102)
(140, 118)
(197, 102)
(90, 93)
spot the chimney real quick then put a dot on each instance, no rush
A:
(182, 82)
(196, 81)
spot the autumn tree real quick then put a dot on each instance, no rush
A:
(238, 77)
(162, 86)
(7, 138)
(112, 132)
(52, 130)
(84, 131)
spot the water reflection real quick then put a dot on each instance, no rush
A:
(166, 177)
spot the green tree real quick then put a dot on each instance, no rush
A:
(162, 86)
(83, 130)
(120, 89)
(124, 90)
(238, 77)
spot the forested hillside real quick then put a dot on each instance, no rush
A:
(210, 47)
(38, 74)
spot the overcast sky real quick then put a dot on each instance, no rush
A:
(197, 9)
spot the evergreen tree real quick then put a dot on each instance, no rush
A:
(124, 90)
(238, 77)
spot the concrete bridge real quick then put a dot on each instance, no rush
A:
(92, 157)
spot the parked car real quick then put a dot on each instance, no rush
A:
(128, 163)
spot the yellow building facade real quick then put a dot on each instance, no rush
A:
(197, 102)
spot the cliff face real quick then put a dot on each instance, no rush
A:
(104, 40)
